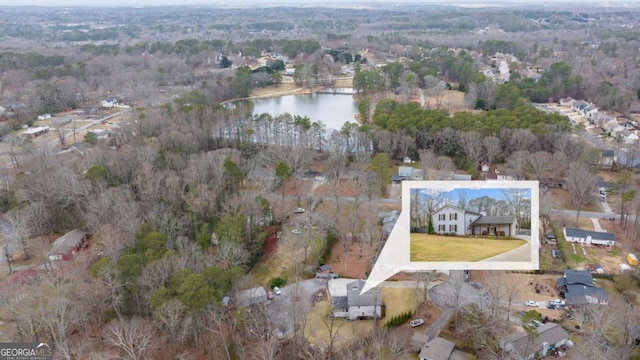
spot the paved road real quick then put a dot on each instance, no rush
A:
(589, 214)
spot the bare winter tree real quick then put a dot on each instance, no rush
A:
(539, 163)
(471, 144)
(581, 184)
(17, 229)
(517, 162)
(132, 337)
(170, 318)
(492, 147)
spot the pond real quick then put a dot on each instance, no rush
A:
(332, 109)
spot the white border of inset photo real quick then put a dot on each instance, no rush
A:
(532, 186)
(395, 255)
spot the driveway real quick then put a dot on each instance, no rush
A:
(286, 309)
(443, 295)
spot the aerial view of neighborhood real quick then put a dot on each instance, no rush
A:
(268, 180)
(470, 224)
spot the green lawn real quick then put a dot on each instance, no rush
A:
(431, 247)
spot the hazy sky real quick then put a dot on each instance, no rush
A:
(248, 3)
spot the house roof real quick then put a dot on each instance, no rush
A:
(577, 294)
(549, 333)
(370, 298)
(339, 302)
(418, 340)
(456, 208)
(488, 220)
(67, 242)
(607, 153)
(582, 277)
(437, 349)
(595, 235)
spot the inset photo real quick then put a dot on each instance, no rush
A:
(473, 224)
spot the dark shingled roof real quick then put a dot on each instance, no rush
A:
(577, 294)
(549, 333)
(596, 235)
(339, 302)
(488, 220)
(582, 277)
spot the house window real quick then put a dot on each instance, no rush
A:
(441, 228)
(453, 216)
(442, 217)
(453, 228)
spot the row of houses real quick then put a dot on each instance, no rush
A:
(625, 131)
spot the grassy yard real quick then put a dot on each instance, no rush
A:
(430, 247)
(396, 300)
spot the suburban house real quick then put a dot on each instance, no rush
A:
(589, 237)
(407, 173)
(65, 246)
(495, 225)
(36, 131)
(109, 103)
(256, 295)
(578, 288)
(346, 301)
(437, 349)
(520, 346)
(608, 157)
(453, 219)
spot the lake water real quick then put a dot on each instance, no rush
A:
(332, 109)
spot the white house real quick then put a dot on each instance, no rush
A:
(109, 103)
(346, 301)
(521, 346)
(44, 116)
(453, 219)
(588, 237)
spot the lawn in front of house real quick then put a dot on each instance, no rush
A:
(432, 247)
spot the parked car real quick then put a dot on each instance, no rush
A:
(551, 305)
(277, 290)
(296, 231)
(299, 210)
(416, 322)
(270, 295)
(532, 303)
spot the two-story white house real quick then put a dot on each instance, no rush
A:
(347, 302)
(453, 219)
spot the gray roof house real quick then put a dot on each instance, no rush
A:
(589, 237)
(521, 347)
(437, 349)
(64, 247)
(578, 288)
(347, 302)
